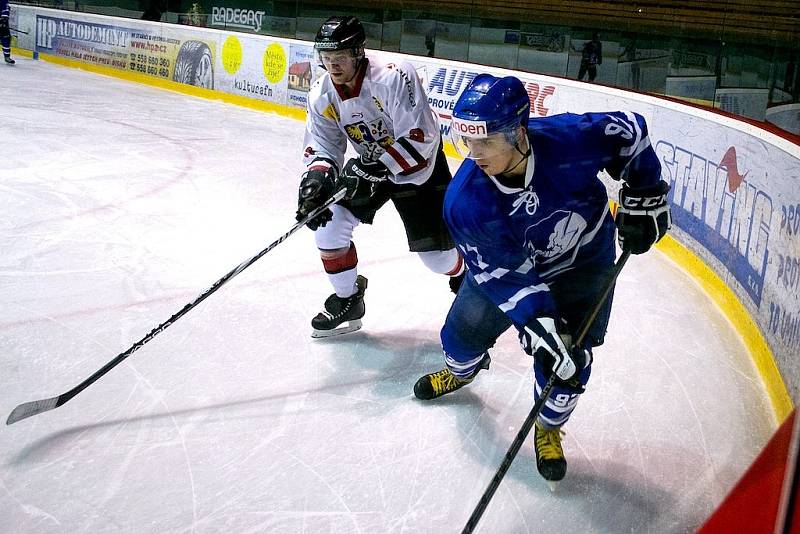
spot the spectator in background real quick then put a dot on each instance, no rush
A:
(628, 55)
(430, 40)
(591, 57)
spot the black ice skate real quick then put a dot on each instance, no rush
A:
(9, 60)
(338, 310)
(550, 459)
(442, 382)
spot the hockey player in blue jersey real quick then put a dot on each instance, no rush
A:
(531, 219)
(5, 32)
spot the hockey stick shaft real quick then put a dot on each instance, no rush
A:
(17, 31)
(539, 404)
(29, 409)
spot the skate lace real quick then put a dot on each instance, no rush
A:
(445, 381)
(548, 443)
(342, 310)
(344, 304)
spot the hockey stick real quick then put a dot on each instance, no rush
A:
(29, 409)
(17, 31)
(537, 406)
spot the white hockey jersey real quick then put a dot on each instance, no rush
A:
(387, 118)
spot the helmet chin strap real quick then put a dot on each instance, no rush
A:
(359, 60)
(525, 155)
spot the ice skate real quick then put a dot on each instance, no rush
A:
(341, 315)
(442, 382)
(550, 459)
(9, 60)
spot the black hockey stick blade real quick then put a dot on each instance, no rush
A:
(525, 429)
(29, 409)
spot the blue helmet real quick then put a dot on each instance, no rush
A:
(489, 105)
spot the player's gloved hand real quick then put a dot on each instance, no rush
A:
(316, 186)
(4, 28)
(541, 339)
(643, 217)
(359, 171)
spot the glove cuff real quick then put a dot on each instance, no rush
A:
(657, 190)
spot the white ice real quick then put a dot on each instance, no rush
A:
(120, 203)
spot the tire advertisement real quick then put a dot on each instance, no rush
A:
(138, 50)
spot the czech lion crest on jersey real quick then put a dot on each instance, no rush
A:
(554, 235)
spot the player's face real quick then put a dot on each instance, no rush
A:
(340, 64)
(492, 154)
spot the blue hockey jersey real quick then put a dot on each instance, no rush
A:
(517, 240)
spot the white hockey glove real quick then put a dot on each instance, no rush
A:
(643, 217)
(359, 171)
(541, 339)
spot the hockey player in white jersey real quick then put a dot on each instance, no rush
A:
(531, 218)
(383, 113)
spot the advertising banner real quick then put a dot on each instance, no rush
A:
(736, 196)
(135, 49)
(254, 67)
(302, 73)
(445, 82)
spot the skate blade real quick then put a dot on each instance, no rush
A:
(552, 484)
(352, 326)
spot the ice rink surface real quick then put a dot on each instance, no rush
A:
(120, 203)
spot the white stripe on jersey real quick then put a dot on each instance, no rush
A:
(511, 303)
(485, 277)
(627, 151)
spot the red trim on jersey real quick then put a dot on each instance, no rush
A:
(398, 158)
(421, 162)
(405, 143)
(342, 89)
(415, 168)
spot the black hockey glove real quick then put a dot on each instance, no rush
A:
(4, 28)
(316, 186)
(542, 339)
(358, 171)
(642, 217)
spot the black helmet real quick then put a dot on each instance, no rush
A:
(340, 33)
